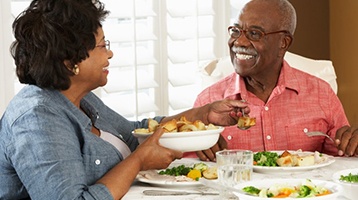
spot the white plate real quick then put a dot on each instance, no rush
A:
(156, 179)
(334, 187)
(186, 141)
(266, 169)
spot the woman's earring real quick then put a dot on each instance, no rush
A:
(76, 70)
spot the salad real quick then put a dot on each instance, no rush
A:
(349, 178)
(194, 172)
(306, 189)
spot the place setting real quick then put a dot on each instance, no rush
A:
(237, 173)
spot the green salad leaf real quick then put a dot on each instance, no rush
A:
(353, 178)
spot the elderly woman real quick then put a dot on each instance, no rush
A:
(58, 140)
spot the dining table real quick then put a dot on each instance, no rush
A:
(137, 189)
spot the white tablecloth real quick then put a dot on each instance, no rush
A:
(324, 173)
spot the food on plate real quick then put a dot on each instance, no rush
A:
(172, 126)
(306, 189)
(194, 172)
(352, 178)
(246, 122)
(211, 173)
(288, 159)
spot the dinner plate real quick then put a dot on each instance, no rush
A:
(267, 169)
(153, 178)
(335, 188)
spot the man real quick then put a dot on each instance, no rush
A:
(287, 103)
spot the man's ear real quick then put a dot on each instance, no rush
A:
(286, 42)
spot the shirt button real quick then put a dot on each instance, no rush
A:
(305, 130)
(268, 137)
(266, 108)
(229, 137)
(97, 162)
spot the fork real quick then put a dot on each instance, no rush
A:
(318, 133)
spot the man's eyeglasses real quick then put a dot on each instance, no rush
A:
(251, 34)
(107, 44)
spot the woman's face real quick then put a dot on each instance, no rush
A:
(93, 71)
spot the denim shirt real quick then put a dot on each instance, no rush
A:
(47, 149)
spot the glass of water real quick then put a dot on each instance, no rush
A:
(234, 166)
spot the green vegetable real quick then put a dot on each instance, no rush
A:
(266, 158)
(350, 178)
(304, 191)
(201, 166)
(251, 190)
(176, 171)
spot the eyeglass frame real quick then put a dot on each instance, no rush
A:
(107, 44)
(258, 30)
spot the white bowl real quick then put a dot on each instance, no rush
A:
(350, 190)
(334, 187)
(186, 141)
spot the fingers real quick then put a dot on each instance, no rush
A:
(347, 140)
(352, 146)
(202, 156)
(341, 131)
(157, 133)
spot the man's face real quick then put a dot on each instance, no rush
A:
(253, 57)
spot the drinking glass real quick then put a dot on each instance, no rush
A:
(234, 166)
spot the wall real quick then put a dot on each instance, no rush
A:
(312, 32)
(328, 30)
(343, 50)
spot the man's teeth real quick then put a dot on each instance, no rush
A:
(244, 56)
(105, 68)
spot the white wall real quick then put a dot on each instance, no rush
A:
(6, 61)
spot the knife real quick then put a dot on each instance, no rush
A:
(174, 193)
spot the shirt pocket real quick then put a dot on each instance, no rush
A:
(297, 138)
(98, 165)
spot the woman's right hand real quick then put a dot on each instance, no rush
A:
(155, 156)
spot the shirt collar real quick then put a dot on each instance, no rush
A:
(286, 80)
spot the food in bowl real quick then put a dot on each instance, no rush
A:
(173, 126)
(348, 180)
(185, 141)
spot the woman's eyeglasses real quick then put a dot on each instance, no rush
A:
(107, 44)
(251, 33)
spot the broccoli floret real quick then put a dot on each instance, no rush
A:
(266, 158)
(251, 190)
(200, 166)
(304, 191)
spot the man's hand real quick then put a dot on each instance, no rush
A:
(209, 154)
(347, 141)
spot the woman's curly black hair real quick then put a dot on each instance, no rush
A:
(50, 32)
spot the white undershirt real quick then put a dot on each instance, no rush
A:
(116, 142)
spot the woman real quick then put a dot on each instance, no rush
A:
(58, 140)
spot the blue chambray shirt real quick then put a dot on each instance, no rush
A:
(47, 150)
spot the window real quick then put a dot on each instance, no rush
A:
(159, 46)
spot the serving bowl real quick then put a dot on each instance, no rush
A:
(186, 141)
(335, 188)
(350, 190)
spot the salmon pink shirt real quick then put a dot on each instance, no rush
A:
(298, 104)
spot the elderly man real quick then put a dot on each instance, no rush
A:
(287, 103)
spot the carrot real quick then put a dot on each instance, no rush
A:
(324, 193)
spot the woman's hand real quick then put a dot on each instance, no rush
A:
(154, 156)
(347, 141)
